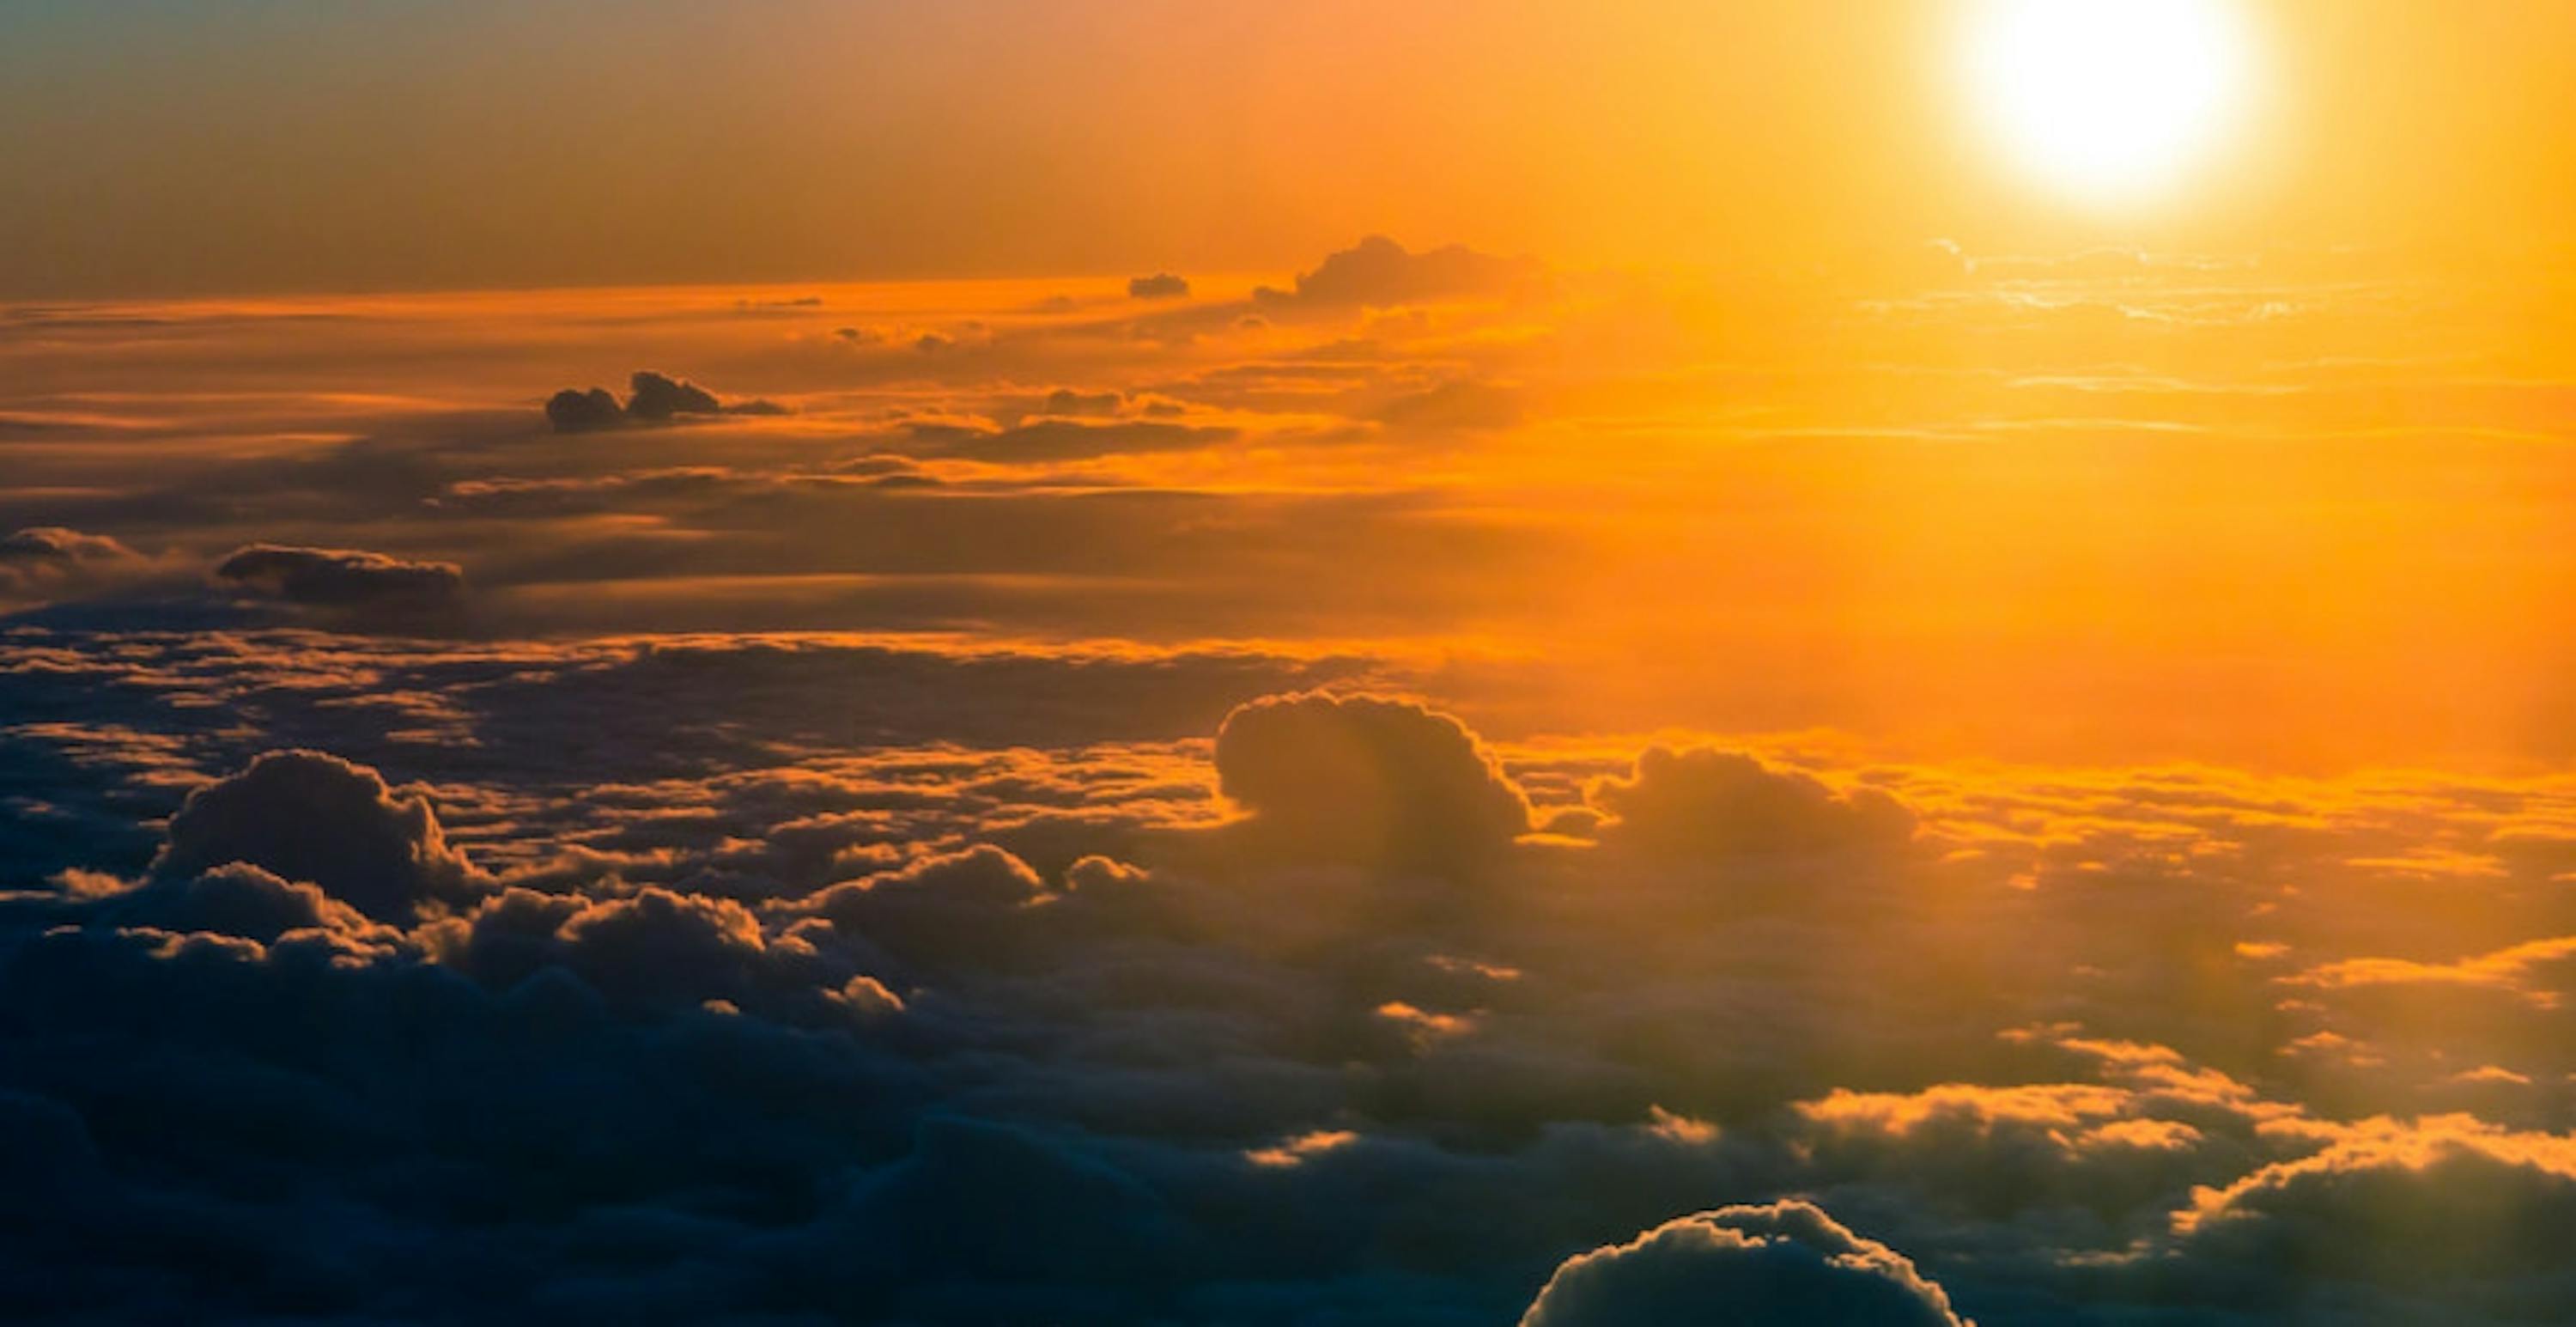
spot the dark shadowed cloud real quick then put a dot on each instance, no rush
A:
(307, 816)
(341, 578)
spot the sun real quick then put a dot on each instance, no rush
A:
(2107, 101)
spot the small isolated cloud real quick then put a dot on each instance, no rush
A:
(1380, 273)
(312, 817)
(1787, 1264)
(1375, 779)
(52, 559)
(1161, 285)
(54, 545)
(341, 578)
(653, 398)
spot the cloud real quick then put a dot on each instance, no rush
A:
(837, 975)
(1388, 781)
(573, 410)
(1379, 273)
(56, 561)
(1066, 440)
(1067, 401)
(653, 398)
(56, 545)
(1704, 802)
(308, 816)
(341, 578)
(953, 910)
(1787, 1264)
(1161, 285)
(237, 899)
(2439, 1204)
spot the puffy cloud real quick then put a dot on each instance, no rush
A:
(341, 578)
(1381, 780)
(237, 899)
(2511, 969)
(1161, 285)
(40, 545)
(944, 911)
(1378, 272)
(309, 816)
(57, 561)
(573, 410)
(1726, 803)
(653, 398)
(1788, 1264)
(1068, 402)
(2443, 1203)
(657, 398)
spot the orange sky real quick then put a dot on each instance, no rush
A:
(294, 145)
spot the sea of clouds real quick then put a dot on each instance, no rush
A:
(447, 872)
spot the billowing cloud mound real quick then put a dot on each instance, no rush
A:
(236, 899)
(52, 558)
(57, 544)
(2438, 1204)
(1378, 272)
(653, 398)
(1161, 285)
(1783, 1265)
(657, 397)
(307, 816)
(1725, 803)
(573, 410)
(341, 578)
(1383, 780)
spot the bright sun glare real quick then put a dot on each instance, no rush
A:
(2107, 100)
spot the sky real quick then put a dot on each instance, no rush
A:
(180, 146)
(1288, 666)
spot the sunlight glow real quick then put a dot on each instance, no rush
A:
(2107, 101)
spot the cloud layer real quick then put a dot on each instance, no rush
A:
(1443, 792)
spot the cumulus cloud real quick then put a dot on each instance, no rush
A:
(653, 398)
(312, 817)
(341, 578)
(1381, 780)
(1161, 285)
(574, 410)
(54, 560)
(2437, 1203)
(1787, 1264)
(57, 545)
(1725, 803)
(1378, 273)
(237, 899)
